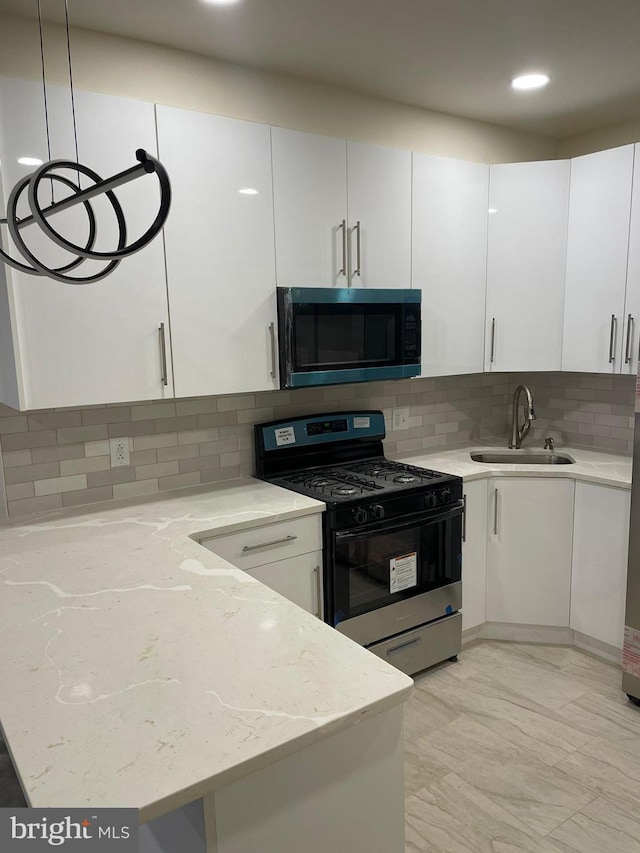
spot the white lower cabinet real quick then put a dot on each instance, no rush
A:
(474, 555)
(599, 572)
(285, 556)
(530, 526)
(299, 579)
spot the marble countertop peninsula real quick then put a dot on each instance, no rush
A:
(590, 466)
(140, 669)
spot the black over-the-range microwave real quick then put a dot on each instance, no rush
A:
(328, 336)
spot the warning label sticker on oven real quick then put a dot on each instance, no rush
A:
(403, 572)
(361, 423)
(286, 435)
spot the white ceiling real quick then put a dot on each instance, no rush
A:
(451, 55)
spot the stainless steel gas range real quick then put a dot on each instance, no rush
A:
(392, 534)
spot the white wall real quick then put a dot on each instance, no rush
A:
(125, 67)
(600, 139)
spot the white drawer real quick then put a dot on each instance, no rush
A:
(257, 546)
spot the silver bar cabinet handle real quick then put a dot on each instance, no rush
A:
(316, 571)
(627, 354)
(343, 226)
(163, 355)
(495, 512)
(493, 339)
(272, 334)
(614, 322)
(358, 230)
(464, 518)
(284, 541)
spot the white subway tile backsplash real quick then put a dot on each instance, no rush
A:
(135, 490)
(15, 458)
(197, 436)
(183, 443)
(96, 448)
(149, 442)
(71, 435)
(160, 469)
(83, 466)
(57, 485)
(20, 491)
(10, 425)
(152, 411)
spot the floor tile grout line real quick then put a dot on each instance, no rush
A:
(571, 817)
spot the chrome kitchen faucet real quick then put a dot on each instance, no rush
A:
(518, 433)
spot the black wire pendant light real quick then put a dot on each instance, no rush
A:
(51, 171)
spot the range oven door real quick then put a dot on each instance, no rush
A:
(391, 576)
(332, 335)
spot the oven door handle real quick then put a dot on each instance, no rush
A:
(406, 524)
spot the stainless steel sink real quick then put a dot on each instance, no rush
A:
(515, 457)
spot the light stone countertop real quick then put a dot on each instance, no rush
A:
(590, 466)
(140, 669)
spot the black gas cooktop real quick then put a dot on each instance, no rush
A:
(374, 477)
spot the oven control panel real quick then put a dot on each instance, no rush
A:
(438, 497)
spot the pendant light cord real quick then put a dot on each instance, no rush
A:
(44, 88)
(73, 100)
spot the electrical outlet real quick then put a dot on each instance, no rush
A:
(119, 449)
(400, 419)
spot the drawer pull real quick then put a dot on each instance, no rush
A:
(397, 649)
(316, 572)
(284, 541)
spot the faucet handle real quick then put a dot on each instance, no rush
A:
(548, 443)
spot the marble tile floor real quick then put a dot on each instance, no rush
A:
(513, 748)
(522, 748)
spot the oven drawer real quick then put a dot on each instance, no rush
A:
(257, 546)
(416, 650)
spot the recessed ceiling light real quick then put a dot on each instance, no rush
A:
(221, 2)
(248, 191)
(30, 161)
(493, 210)
(530, 81)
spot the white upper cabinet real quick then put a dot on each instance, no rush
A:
(527, 245)
(599, 213)
(342, 212)
(70, 345)
(449, 254)
(310, 204)
(379, 201)
(631, 320)
(220, 253)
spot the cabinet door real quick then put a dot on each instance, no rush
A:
(96, 343)
(526, 259)
(379, 199)
(220, 254)
(298, 578)
(599, 212)
(599, 570)
(631, 332)
(310, 205)
(529, 551)
(474, 555)
(449, 261)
